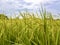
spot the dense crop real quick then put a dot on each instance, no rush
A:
(30, 30)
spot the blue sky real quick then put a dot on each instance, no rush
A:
(14, 6)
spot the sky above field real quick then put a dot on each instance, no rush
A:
(14, 6)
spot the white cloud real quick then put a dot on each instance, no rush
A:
(39, 1)
(22, 4)
(5, 0)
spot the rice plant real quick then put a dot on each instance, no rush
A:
(30, 30)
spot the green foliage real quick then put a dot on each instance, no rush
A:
(2, 16)
(30, 30)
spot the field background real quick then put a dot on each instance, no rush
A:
(31, 29)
